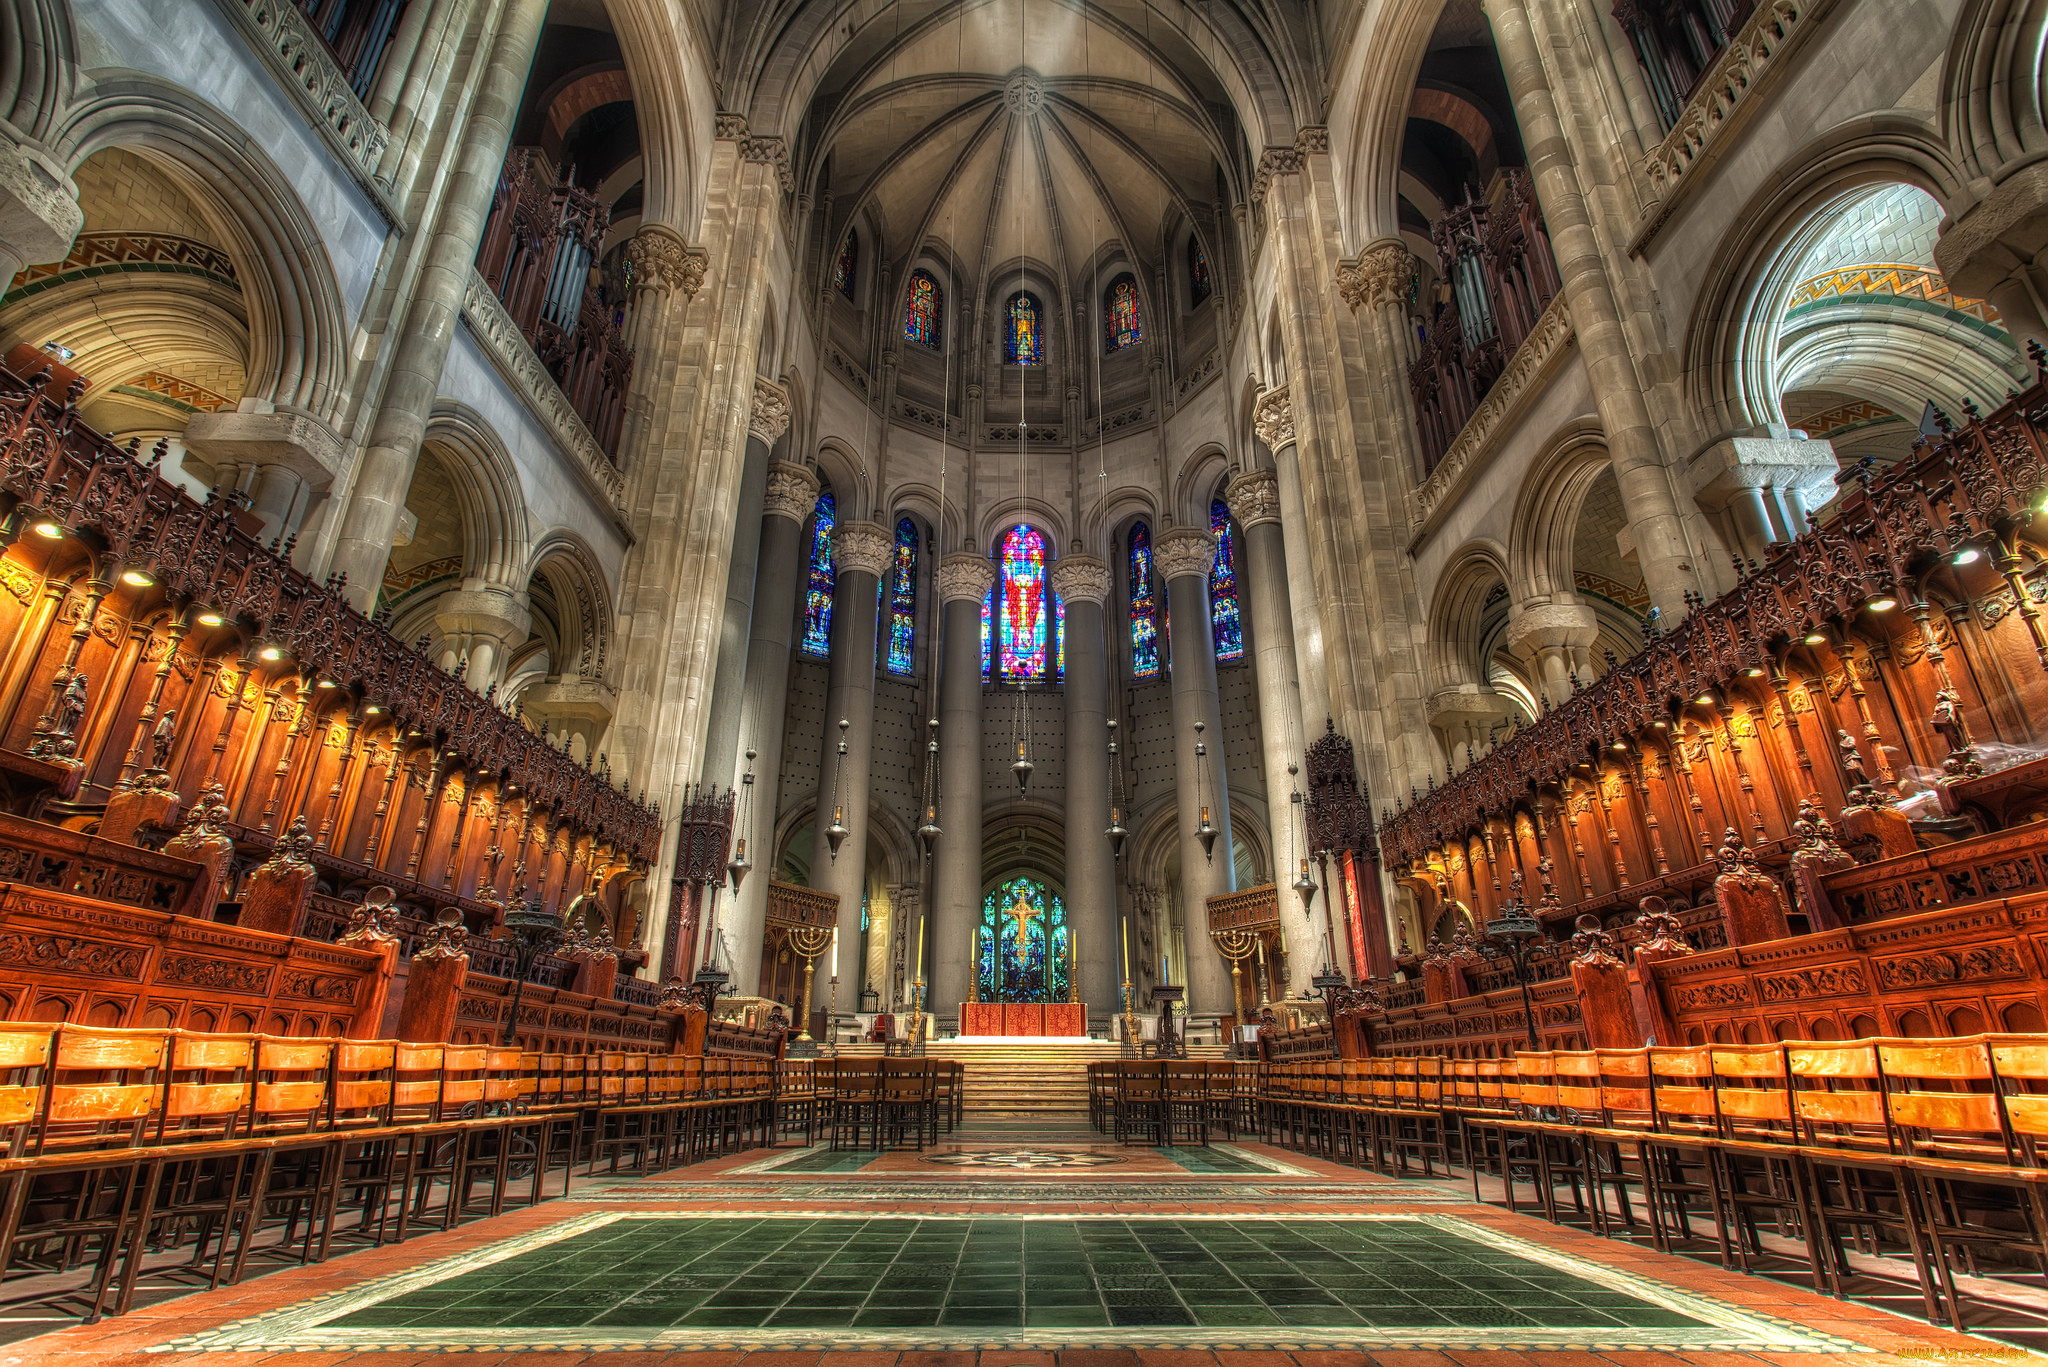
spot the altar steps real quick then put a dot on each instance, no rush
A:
(1025, 1080)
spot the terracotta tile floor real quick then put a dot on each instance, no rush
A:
(1244, 1219)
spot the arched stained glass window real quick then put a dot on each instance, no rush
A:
(1023, 628)
(1120, 324)
(818, 588)
(1023, 343)
(1198, 272)
(921, 309)
(1144, 606)
(903, 598)
(842, 269)
(1022, 950)
(1224, 614)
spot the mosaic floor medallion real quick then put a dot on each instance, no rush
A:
(1024, 1159)
(741, 1279)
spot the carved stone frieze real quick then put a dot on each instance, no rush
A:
(792, 491)
(863, 548)
(1181, 551)
(965, 576)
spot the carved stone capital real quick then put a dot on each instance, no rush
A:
(1182, 551)
(1081, 578)
(1378, 277)
(731, 128)
(863, 548)
(1312, 141)
(770, 416)
(659, 259)
(1254, 497)
(792, 491)
(1273, 418)
(1274, 161)
(965, 576)
(773, 152)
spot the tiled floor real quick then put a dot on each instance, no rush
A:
(1234, 1256)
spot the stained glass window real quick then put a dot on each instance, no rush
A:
(818, 588)
(1198, 272)
(921, 308)
(1144, 606)
(1023, 344)
(903, 598)
(1023, 635)
(988, 605)
(842, 269)
(1224, 614)
(1120, 324)
(1059, 635)
(1022, 950)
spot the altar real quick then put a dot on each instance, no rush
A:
(1031, 1019)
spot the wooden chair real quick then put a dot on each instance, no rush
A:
(1140, 1101)
(293, 1174)
(1684, 1171)
(1762, 1175)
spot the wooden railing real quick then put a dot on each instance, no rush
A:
(791, 905)
(1250, 909)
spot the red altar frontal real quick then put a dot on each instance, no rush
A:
(1035, 1019)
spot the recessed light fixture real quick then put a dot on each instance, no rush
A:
(136, 579)
(49, 531)
(373, 711)
(1619, 745)
(1966, 556)
(1662, 725)
(1705, 700)
(210, 619)
(1883, 604)
(327, 683)
(272, 653)
(1753, 673)
(1816, 639)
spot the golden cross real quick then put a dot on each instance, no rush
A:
(1024, 913)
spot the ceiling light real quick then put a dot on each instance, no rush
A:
(1705, 700)
(1816, 639)
(210, 619)
(1883, 604)
(1662, 725)
(1753, 673)
(327, 683)
(1966, 556)
(136, 579)
(1619, 745)
(50, 530)
(373, 711)
(272, 653)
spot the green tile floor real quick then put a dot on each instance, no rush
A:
(1199, 1160)
(995, 1274)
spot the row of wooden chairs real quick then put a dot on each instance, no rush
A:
(1167, 1101)
(117, 1141)
(881, 1102)
(1924, 1158)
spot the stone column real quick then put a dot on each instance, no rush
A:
(1083, 583)
(767, 423)
(1184, 556)
(483, 626)
(384, 473)
(863, 551)
(1256, 504)
(790, 494)
(964, 580)
(1647, 495)
(1273, 417)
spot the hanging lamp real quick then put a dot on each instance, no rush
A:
(836, 833)
(739, 866)
(1206, 830)
(1116, 832)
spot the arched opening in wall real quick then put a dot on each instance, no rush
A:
(1606, 578)
(1480, 688)
(557, 675)
(148, 309)
(1467, 209)
(1865, 341)
(569, 199)
(432, 552)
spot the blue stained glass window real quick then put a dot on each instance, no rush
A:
(842, 269)
(1120, 324)
(1224, 614)
(1023, 957)
(818, 588)
(1023, 634)
(921, 309)
(902, 617)
(1059, 635)
(1198, 272)
(1023, 343)
(988, 605)
(1144, 606)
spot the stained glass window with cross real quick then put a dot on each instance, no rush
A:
(1022, 951)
